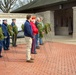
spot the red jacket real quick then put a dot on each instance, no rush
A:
(35, 30)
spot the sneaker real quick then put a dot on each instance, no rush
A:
(29, 61)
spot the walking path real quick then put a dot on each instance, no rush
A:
(51, 59)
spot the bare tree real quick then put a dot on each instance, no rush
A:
(9, 5)
(21, 2)
(18, 4)
(6, 5)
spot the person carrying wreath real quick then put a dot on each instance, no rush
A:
(40, 26)
(15, 30)
(6, 40)
(1, 40)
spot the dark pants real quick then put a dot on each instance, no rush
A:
(1, 43)
(37, 39)
(33, 49)
(6, 42)
(14, 39)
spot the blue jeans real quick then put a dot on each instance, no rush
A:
(6, 43)
(40, 41)
(37, 38)
(1, 43)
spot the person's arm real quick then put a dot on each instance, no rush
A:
(4, 32)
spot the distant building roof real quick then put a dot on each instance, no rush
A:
(36, 4)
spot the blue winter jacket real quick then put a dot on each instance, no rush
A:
(28, 29)
(5, 31)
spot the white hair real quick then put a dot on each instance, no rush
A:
(41, 18)
(37, 18)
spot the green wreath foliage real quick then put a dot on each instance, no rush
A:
(41, 29)
(47, 28)
(15, 29)
(1, 34)
(22, 26)
(10, 30)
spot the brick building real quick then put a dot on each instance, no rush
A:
(60, 13)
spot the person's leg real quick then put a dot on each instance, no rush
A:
(35, 46)
(0, 51)
(33, 49)
(37, 41)
(4, 44)
(40, 41)
(15, 39)
(8, 42)
(28, 48)
(0, 48)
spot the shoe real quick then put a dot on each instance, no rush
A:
(42, 44)
(29, 61)
(1, 56)
(37, 47)
(15, 46)
(34, 53)
(6, 49)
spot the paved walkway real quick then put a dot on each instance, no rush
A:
(52, 59)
